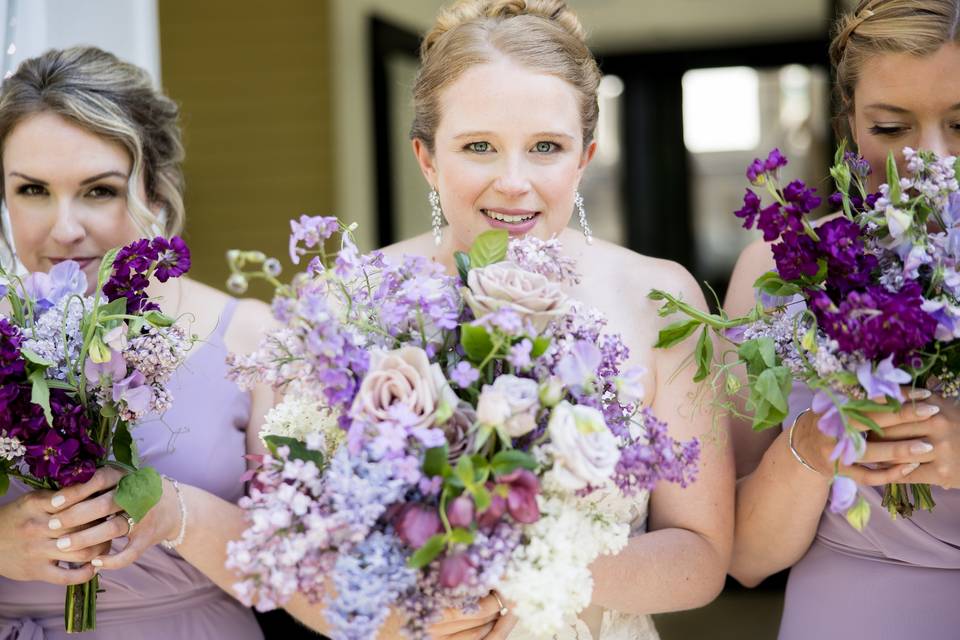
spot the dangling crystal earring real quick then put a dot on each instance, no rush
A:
(578, 202)
(436, 215)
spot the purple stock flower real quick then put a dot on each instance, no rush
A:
(849, 267)
(749, 210)
(843, 493)
(173, 257)
(884, 381)
(774, 161)
(757, 168)
(796, 256)
(578, 367)
(858, 164)
(12, 364)
(46, 457)
(876, 321)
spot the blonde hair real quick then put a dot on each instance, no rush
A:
(113, 99)
(918, 27)
(541, 35)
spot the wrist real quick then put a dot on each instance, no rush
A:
(806, 446)
(172, 516)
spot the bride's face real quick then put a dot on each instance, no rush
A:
(508, 154)
(902, 100)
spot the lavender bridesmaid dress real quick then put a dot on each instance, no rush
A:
(199, 441)
(895, 579)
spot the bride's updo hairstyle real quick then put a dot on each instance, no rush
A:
(541, 35)
(875, 27)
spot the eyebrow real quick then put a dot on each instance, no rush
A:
(540, 134)
(99, 176)
(895, 109)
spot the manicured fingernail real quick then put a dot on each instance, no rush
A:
(919, 394)
(55, 523)
(97, 562)
(927, 410)
(910, 468)
(57, 501)
(63, 543)
(921, 447)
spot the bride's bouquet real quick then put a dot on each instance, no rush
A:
(857, 306)
(76, 371)
(440, 437)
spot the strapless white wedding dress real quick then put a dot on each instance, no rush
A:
(595, 623)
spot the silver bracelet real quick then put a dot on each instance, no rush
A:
(173, 544)
(793, 449)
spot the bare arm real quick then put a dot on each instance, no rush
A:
(682, 562)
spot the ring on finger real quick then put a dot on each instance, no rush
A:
(130, 523)
(503, 610)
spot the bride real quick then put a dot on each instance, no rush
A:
(505, 107)
(505, 111)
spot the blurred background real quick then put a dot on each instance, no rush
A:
(303, 106)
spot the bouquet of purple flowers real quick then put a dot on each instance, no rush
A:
(857, 306)
(440, 437)
(76, 370)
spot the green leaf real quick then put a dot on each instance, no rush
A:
(481, 497)
(484, 432)
(158, 319)
(510, 460)
(425, 554)
(124, 449)
(540, 346)
(106, 267)
(40, 394)
(704, 355)
(870, 405)
(435, 462)
(476, 342)
(463, 265)
(489, 247)
(464, 470)
(893, 179)
(137, 492)
(859, 514)
(108, 411)
(36, 359)
(773, 285)
(759, 354)
(461, 536)
(770, 386)
(4, 483)
(675, 333)
(116, 307)
(298, 450)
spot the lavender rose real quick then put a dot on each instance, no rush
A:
(502, 284)
(406, 377)
(585, 452)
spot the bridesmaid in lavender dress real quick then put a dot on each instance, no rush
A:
(74, 125)
(897, 66)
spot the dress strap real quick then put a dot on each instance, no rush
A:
(226, 315)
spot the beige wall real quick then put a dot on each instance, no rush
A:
(253, 82)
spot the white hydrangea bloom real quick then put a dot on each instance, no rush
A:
(549, 581)
(302, 419)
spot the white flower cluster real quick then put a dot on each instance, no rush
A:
(548, 580)
(302, 419)
(10, 448)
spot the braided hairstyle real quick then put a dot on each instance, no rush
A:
(918, 27)
(541, 35)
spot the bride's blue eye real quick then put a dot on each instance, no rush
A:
(479, 147)
(546, 147)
